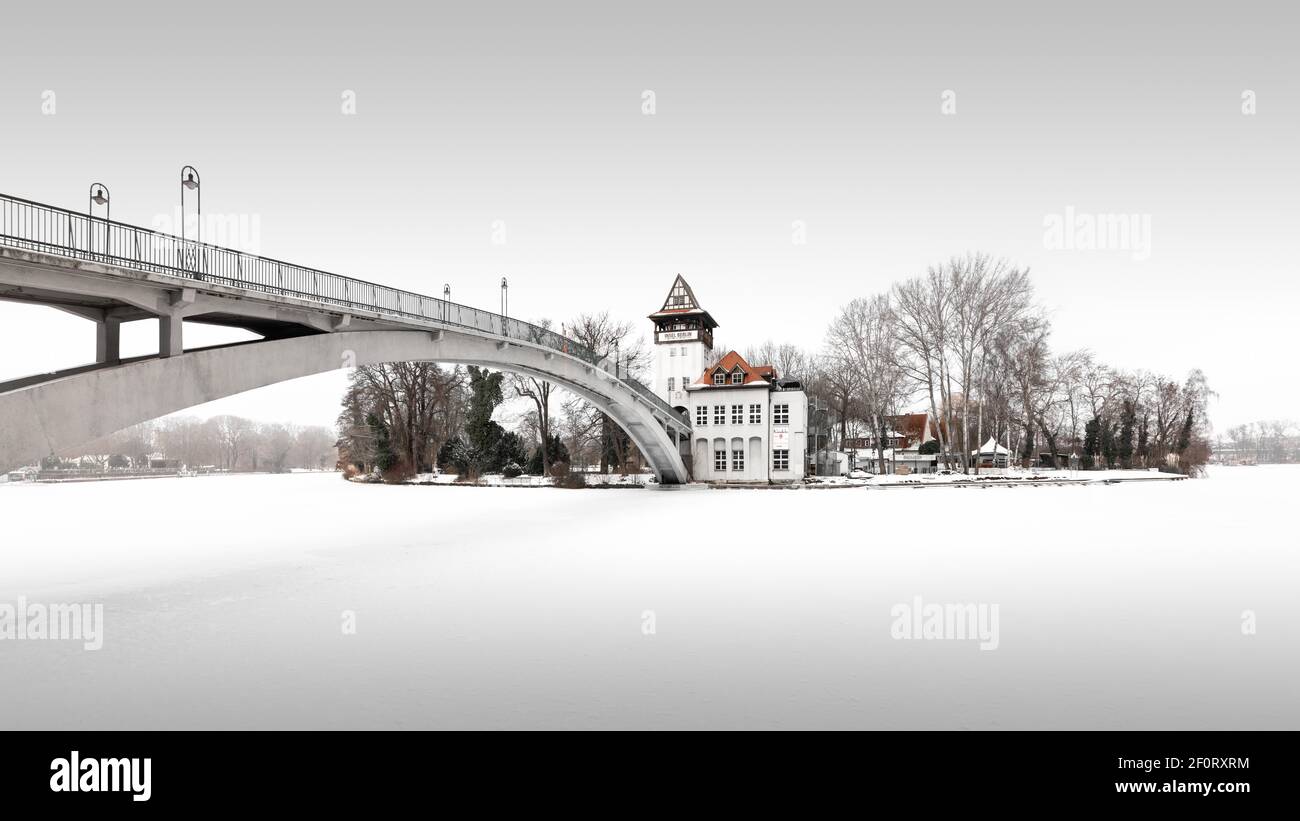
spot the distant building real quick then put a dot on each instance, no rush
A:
(991, 455)
(908, 430)
(749, 424)
(905, 435)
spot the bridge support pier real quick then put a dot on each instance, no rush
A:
(108, 336)
(169, 335)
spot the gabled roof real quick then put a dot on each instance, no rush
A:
(991, 446)
(913, 425)
(681, 301)
(733, 363)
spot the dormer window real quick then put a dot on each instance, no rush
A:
(719, 378)
(738, 377)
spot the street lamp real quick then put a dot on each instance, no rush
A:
(99, 196)
(505, 298)
(446, 300)
(190, 179)
(616, 359)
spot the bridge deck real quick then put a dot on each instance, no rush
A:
(32, 226)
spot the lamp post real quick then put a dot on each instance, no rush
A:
(616, 376)
(446, 300)
(190, 179)
(505, 298)
(99, 196)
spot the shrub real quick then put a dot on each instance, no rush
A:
(571, 481)
(399, 471)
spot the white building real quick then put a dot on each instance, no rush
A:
(683, 343)
(748, 424)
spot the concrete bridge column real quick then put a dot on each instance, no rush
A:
(108, 335)
(169, 335)
(169, 324)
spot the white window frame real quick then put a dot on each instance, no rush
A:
(737, 414)
(720, 460)
(781, 459)
(702, 416)
(755, 414)
(781, 414)
(738, 459)
(719, 414)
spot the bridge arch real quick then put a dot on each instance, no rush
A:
(68, 412)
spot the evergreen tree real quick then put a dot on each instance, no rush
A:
(385, 458)
(1109, 442)
(508, 449)
(484, 435)
(556, 452)
(1124, 446)
(1091, 441)
(1185, 435)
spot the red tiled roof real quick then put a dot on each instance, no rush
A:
(729, 364)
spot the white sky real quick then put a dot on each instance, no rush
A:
(825, 115)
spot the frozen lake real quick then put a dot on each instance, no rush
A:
(225, 598)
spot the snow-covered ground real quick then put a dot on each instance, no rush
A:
(1120, 606)
(989, 476)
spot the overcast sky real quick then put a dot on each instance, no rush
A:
(770, 124)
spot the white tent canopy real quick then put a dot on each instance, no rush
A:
(991, 447)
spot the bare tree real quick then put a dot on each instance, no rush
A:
(539, 392)
(863, 340)
(234, 434)
(788, 359)
(612, 340)
(986, 295)
(922, 311)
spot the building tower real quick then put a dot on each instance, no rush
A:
(683, 341)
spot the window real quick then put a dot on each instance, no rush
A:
(672, 384)
(719, 414)
(737, 414)
(720, 460)
(780, 460)
(738, 459)
(719, 378)
(672, 351)
(737, 378)
(702, 415)
(755, 414)
(683, 350)
(686, 380)
(780, 414)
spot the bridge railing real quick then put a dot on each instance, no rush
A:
(34, 226)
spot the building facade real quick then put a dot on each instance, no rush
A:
(683, 343)
(749, 425)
